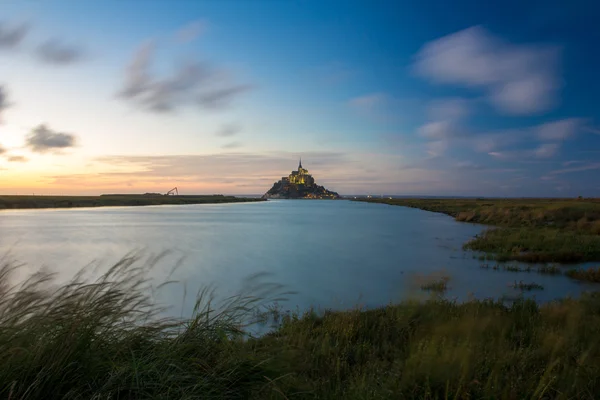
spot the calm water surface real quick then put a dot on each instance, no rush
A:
(334, 254)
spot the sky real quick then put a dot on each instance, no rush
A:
(462, 98)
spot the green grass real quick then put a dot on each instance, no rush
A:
(106, 340)
(549, 270)
(437, 286)
(527, 286)
(18, 202)
(526, 230)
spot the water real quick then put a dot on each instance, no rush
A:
(334, 254)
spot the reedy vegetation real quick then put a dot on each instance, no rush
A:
(24, 202)
(108, 339)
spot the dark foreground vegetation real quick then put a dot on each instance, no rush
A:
(527, 230)
(105, 340)
(15, 202)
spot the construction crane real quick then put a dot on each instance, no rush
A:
(172, 192)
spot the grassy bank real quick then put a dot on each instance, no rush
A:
(16, 202)
(528, 230)
(104, 340)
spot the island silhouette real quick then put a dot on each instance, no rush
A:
(299, 185)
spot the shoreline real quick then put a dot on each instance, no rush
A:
(565, 231)
(15, 202)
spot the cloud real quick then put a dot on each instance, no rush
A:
(4, 103)
(229, 130)
(193, 83)
(43, 140)
(221, 98)
(436, 148)
(191, 31)
(54, 51)
(567, 163)
(490, 142)
(586, 167)
(558, 130)
(333, 73)
(16, 158)
(546, 150)
(437, 130)
(592, 130)
(12, 36)
(368, 102)
(450, 109)
(516, 78)
(232, 145)
(469, 165)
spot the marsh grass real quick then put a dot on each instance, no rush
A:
(585, 274)
(25, 202)
(527, 286)
(438, 286)
(107, 340)
(549, 270)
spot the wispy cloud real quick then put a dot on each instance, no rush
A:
(43, 139)
(191, 31)
(592, 130)
(517, 79)
(57, 52)
(4, 103)
(333, 73)
(586, 167)
(558, 130)
(449, 109)
(232, 145)
(436, 148)
(16, 158)
(11, 36)
(229, 130)
(543, 151)
(194, 83)
(369, 102)
(573, 162)
(546, 150)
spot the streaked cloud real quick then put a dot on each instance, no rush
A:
(4, 103)
(333, 73)
(229, 130)
(54, 51)
(232, 145)
(546, 150)
(16, 158)
(191, 31)
(586, 167)
(11, 36)
(368, 102)
(43, 139)
(558, 130)
(517, 79)
(193, 83)
(436, 148)
(449, 109)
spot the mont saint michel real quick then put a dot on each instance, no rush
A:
(299, 185)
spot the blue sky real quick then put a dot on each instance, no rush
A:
(432, 98)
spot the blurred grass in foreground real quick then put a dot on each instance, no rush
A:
(107, 339)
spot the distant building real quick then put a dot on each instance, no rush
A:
(301, 177)
(299, 185)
